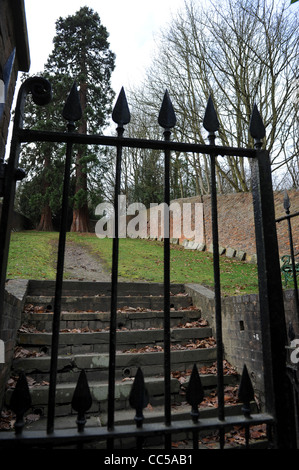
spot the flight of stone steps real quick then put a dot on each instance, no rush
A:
(84, 344)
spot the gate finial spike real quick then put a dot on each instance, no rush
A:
(256, 126)
(210, 121)
(121, 113)
(246, 392)
(286, 202)
(20, 401)
(82, 399)
(167, 117)
(194, 393)
(139, 397)
(72, 110)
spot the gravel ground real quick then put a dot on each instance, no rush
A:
(79, 264)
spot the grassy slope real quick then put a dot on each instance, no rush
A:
(33, 255)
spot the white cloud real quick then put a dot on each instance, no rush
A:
(132, 26)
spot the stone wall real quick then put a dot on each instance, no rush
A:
(14, 300)
(241, 329)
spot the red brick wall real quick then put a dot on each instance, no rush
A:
(236, 221)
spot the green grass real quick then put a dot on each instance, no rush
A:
(143, 259)
(33, 256)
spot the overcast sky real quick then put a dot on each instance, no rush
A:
(131, 24)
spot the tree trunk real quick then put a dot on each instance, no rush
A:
(45, 224)
(80, 212)
(80, 220)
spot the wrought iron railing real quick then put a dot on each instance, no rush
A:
(277, 412)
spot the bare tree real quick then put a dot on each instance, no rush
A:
(240, 52)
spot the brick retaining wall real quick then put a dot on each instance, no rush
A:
(236, 222)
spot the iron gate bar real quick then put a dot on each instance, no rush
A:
(288, 216)
(120, 116)
(167, 120)
(211, 124)
(72, 112)
(273, 326)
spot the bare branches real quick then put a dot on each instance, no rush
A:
(242, 52)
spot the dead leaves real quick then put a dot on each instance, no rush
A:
(145, 349)
(235, 437)
(228, 369)
(28, 329)
(30, 308)
(22, 352)
(197, 344)
(11, 383)
(182, 376)
(194, 324)
(8, 418)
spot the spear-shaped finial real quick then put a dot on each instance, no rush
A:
(72, 110)
(20, 401)
(246, 392)
(256, 127)
(286, 202)
(194, 393)
(167, 117)
(82, 400)
(121, 113)
(139, 397)
(210, 121)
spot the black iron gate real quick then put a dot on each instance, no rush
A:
(278, 414)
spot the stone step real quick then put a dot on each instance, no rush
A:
(98, 341)
(152, 363)
(127, 318)
(102, 303)
(77, 288)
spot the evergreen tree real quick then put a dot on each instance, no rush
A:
(80, 54)
(39, 194)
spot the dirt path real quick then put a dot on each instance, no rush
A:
(79, 264)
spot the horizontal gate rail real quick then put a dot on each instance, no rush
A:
(62, 437)
(26, 136)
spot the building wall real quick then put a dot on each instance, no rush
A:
(14, 57)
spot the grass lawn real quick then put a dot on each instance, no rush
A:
(33, 256)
